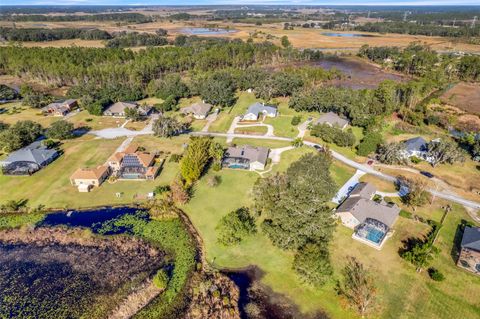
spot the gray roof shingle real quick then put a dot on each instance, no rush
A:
(258, 107)
(417, 144)
(35, 153)
(332, 119)
(364, 190)
(253, 154)
(471, 238)
(362, 208)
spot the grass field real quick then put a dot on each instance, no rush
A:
(402, 293)
(252, 130)
(51, 186)
(226, 116)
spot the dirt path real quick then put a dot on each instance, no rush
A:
(136, 301)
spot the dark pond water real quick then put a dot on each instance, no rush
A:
(207, 31)
(348, 35)
(267, 303)
(86, 218)
(358, 74)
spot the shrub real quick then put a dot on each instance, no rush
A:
(214, 181)
(160, 189)
(435, 274)
(175, 158)
(406, 214)
(296, 120)
(369, 144)
(312, 264)
(160, 280)
(333, 135)
(377, 198)
(235, 226)
(415, 160)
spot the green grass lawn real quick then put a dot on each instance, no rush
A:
(282, 126)
(226, 116)
(254, 130)
(260, 142)
(51, 186)
(402, 293)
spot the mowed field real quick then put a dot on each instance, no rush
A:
(402, 293)
(299, 37)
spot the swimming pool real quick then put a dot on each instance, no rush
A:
(372, 231)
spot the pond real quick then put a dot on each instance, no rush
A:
(207, 31)
(358, 74)
(267, 303)
(348, 35)
(67, 272)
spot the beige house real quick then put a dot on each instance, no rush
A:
(133, 164)
(246, 157)
(118, 109)
(87, 178)
(333, 120)
(198, 110)
(371, 220)
(469, 258)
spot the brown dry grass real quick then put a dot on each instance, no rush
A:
(300, 37)
(465, 96)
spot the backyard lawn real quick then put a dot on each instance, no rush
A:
(402, 293)
(51, 186)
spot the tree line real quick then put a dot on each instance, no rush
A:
(420, 29)
(135, 39)
(130, 17)
(420, 60)
(41, 34)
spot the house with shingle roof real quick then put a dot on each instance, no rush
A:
(332, 120)
(133, 164)
(371, 221)
(416, 147)
(87, 178)
(198, 110)
(28, 159)
(61, 108)
(118, 109)
(258, 109)
(246, 157)
(469, 257)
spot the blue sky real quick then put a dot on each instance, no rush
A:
(243, 2)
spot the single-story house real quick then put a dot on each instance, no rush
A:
(257, 109)
(133, 164)
(469, 258)
(118, 109)
(61, 108)
(28, 159)
(332, 120)
(371, 220)
(198, 110)
(246, 157)
(417, 147)
(87, 178)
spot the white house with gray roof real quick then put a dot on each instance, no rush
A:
(370, 220)
(246, 157)
(28, 159)
(258, 109)
(118, 109)
(332, 120)
(416, 147)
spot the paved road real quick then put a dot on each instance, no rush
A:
(365, 168)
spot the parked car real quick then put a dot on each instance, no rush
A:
(427, 174)
(317, 147)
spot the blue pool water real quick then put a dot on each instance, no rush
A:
(375, 235)
(237, 166)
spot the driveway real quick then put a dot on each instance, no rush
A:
(210, 119)
(115, 132)
(302, 128)
(345, 190)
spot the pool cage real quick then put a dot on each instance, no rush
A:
(236, 162)
(372, 230)
(20, 168)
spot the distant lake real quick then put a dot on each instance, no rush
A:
(207, 31)
(348, 35)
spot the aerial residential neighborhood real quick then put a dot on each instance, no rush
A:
(240, 161)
